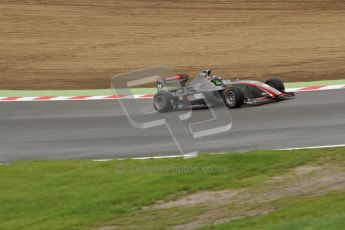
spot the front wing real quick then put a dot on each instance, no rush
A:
(269, 99)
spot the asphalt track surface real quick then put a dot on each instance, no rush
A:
(101, 130)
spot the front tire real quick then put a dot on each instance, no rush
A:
(233, 97)
(276, 83)
(162, 102)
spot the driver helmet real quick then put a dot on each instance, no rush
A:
(206, 73)
(217, 77)
(217, 80)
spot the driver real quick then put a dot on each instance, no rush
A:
(217, 80)
(206, 74)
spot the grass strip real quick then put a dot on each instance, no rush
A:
(84, 194)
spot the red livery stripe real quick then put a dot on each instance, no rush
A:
(262, 99)
(264, 89)
(177, 76)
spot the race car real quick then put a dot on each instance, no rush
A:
(176, 93)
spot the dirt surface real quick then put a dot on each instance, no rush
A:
(233, 204)
(304, 180)
(80, 44)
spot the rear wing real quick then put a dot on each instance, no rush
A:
(179, 80)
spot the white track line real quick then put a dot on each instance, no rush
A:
(313, 147)
(165, 157)
(195, 155)
(220, 153)
(149, 158)
(102, 160)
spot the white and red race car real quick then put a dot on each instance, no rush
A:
(176, 93)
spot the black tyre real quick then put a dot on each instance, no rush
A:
(162, 102)
(276, 83)
(233, 97)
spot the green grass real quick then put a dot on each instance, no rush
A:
(305, 213)
(95, 92)
(80, 194)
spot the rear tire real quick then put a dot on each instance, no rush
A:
(276, 83)
(233, 97)
(162, 102)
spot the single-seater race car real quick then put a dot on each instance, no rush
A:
(176, 93)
